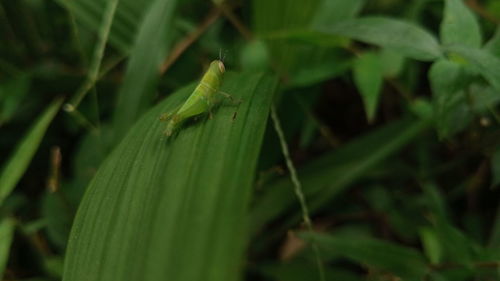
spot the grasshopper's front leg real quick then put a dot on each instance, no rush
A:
(168, 115)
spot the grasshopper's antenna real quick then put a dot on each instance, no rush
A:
(222, 57)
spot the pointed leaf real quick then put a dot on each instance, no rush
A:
(174, 209)
(493, 46)
(151, 46)
(368, 76)
(431, 245)
(459, 25)
(18, 162)
(405, 37)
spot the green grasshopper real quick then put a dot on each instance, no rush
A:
(202, 100)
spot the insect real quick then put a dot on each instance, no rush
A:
(202, 100)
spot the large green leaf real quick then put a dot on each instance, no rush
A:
(404, 262)
(151, 46)
(330, 174)
(18, 162)
(405, 37)
(6, 234)
(459, 25)
(174, 209)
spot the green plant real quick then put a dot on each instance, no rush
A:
(383, 141)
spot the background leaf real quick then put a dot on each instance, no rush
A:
(332, 173)
(151, 46)
(6, 236)
(332, 11)
(484, 62)
(368, 76)
(404, 262)
(448, 80)
(88, 15)
(408, 39)
(459, 25)
(18, 162)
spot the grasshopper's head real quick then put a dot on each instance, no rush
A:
(218, 66)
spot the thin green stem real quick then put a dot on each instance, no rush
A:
(95, 65)
(297, 188)
(83, 121)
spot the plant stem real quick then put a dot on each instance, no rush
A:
(297, 188)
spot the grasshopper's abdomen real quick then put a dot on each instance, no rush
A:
(201, 100)
(203, 96)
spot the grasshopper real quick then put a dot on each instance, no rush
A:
(200, 101)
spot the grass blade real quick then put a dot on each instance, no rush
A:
(406, 263)
(174, 209)
(6, 234)
(98, 55)
(151, 46)
(21, 158)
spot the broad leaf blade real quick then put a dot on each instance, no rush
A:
(174, 209)
(21, 158)
(459, 25)
(407, 38)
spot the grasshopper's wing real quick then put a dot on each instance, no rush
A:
(196, 104)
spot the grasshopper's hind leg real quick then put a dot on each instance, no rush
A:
(168, 115)
(233, 100)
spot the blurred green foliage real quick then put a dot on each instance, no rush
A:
(390, 110)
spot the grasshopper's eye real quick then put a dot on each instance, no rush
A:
(221, 67)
